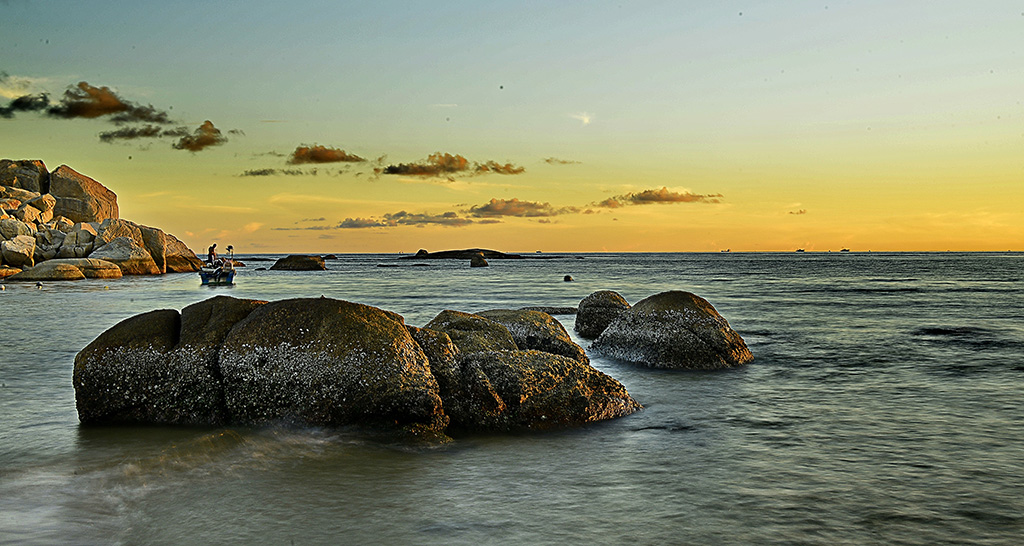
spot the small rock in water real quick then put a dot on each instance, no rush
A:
(567, 278)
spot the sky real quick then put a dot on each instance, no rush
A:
(520, 126)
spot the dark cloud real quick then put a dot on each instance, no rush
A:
(663, 195)
(87, 101)
(445, 165)
(275, 172)
(498, 168)
(556, 161)
(25, 103)
(801, 211)
(322, 154)
(145, 131)
(515, 207)
(359, 223)
(403, 218)
(205, 136)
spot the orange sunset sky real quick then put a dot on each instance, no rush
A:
(522, 126)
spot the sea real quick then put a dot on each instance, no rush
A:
(884, 405)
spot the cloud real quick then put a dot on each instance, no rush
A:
(275, 172)
(15, 86)
(321, 154)
(403, 218)
(556, 161)
(515, 207)
(445, 165)
(663, 195)
(204, 136)
(451, 219)
(360, 223)
(25, 103)
(801, 211)
(87, 101)
(145, 131)
(498, 168)
(584, 117)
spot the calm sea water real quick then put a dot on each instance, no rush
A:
(884, 406)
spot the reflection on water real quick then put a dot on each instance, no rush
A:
(883, 406)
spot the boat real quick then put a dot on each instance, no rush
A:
(221, 273)
(844, 250)
(799, 250)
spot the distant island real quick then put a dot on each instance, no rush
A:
(469, 253)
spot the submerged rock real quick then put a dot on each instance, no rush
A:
(514, 390)
(298, 262)
(478, 260)
(597, 311)
(676, 330)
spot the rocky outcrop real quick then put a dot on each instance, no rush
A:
(298, 262)
(19, 251)
(80, 198)
(126, 254)
(677, 330)
(179, 259)
(326, 362)
(537, 331)
(29, 175)
(71, 216)
(597, 311)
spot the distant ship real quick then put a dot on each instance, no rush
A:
(726, 250)
(799, 250)
(845, 250)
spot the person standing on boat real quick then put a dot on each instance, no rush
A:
(211, 254)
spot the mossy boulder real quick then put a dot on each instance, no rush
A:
(92, 268)
(675, 329)
(473, 333)
(596, 311)
(328, 362)
(123, 377)
(537, 330)
(49, 271)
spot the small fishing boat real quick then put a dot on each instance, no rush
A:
(220, 273)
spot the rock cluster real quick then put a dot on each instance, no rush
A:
(66, 215)
(327, 362)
